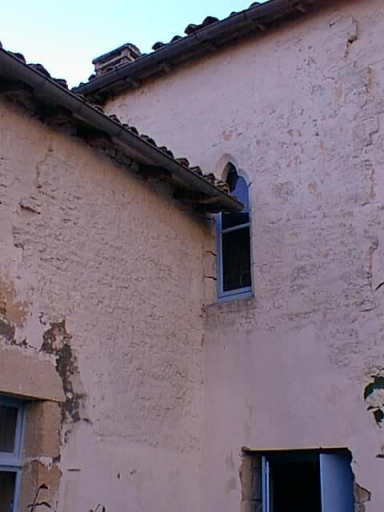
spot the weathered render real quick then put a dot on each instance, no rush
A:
(300, 112)
(101, 287)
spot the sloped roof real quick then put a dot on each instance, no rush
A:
(199, 40)
(32, 85)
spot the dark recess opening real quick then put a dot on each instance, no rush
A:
(295, 485)
(7, 490)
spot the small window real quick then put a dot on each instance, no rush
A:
(316, 481)
(234, 243)
(11, 427)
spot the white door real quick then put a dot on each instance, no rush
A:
(336, 479)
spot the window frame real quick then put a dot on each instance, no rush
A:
(246, 291)
(342, 456)
(12, 462)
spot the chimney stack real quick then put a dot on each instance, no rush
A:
(115, 59)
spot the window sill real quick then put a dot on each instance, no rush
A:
(232, 304)
(240, 295)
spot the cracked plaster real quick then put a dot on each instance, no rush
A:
(95, 262)
(300, 111)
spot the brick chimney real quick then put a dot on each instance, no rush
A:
(115, 59)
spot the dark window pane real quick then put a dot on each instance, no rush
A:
(7, 490)
(236, 259)
(230, 220)
(232, 176)
(8, 422)
(298, 483)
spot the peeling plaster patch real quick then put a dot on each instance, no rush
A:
(14, 311)
(44, 494)
(57, 341)
(284, 191)
(374, 398)
(227, 135)
(362, 496)
(30, 205)
(7, 330)
(371, 131)
(99, 508)
(372, 127)
(352, 36)
(314, 189)
(377, 140)
(229, 462)
(230, 485)
(369, 171)
(368, 266)
(40, 165)
(47, 462)
(347, 29)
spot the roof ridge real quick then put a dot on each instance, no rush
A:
(124, 71)
(190, 29)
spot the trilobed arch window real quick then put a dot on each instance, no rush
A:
(234, 243)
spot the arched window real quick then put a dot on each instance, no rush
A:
(234, 243)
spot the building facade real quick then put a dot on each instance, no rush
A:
(101, 296)
(199, 373)
(298, 111)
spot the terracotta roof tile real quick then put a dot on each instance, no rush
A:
(183, 161)
(114, 118)
(193, 28)
(223, 185)
(41, 69)
(19, 56)
(211, 178)
(197, 170)
(118, 70)
(157, 46)
(98, 107)
(62, 82)
(132, 129)
(167, 151)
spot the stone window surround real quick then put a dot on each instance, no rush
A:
(41, 398)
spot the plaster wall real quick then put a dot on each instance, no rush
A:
(300, 111)
(101, 286)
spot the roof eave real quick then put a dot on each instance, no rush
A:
(256, 18)
(134, 146)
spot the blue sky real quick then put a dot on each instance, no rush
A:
(66, 35)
